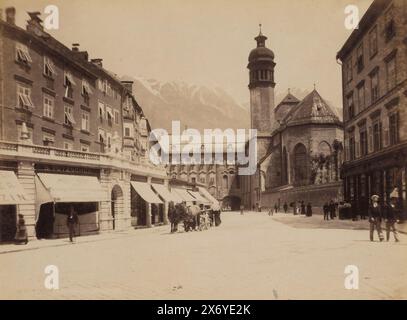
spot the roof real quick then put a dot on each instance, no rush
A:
(312, 109)
(288, 99)
(376, 9)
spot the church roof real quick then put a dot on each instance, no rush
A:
(312, 109)
(288, 99)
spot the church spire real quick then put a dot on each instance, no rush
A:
(261, 39)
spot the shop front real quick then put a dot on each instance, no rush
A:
(57, 194)
(147, 208)
(12, 194)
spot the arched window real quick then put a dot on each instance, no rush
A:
(225, 182)
(284, 168)
(300, 164)
(324, 148)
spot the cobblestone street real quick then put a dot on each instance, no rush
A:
(253, 256)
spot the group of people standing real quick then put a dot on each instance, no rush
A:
(329, 210)
(377, 213)
(299, 208)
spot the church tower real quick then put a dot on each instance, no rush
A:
(261, 66)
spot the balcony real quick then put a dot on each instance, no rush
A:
(36, 153)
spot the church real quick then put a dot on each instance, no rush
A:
(299, 143)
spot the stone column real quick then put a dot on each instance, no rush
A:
(26, 176)
(165, 215)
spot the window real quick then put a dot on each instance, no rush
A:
(390, 27)
(360, 60)
(101, 111)
(394, 128)
(377, 136)
(109, 140)
(109, 116)
(48, 139)
(300, 167)
(22, 54)
(68, 116)
(363, 141)
(48, 107)
(69, 83)
(116, 117)
(84, 148)
(349, 69)
(391, 72)
(68, 145)
(361, 97)
(24, 97)
(101, 85)
(49, 68)
(373, 42)
(351, 106)
(101, 135)
(352, 147)
(86, 89)
(374, 86)
(85, 121)
(127, 131)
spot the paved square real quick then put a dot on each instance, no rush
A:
(253, 256)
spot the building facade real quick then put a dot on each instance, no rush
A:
(299, 143)
(374, 85)
(71, 136)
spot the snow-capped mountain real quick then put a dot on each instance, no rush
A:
(194, 106)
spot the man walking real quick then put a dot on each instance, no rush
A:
(375, 218)
(71, 221)
(325, 208)
(285, 206)
(391, 217)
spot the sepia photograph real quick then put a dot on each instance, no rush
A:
(203, 150)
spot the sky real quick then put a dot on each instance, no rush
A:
(207, 42)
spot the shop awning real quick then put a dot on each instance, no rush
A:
(73, 188)
(207, 195)
(144, 190)
(199, 198)
(166, 194)
(183, 193)
(11, 191)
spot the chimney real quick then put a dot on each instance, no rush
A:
(75, 47)
(97, 62)
(11, 15)
(35, 23)
(128, 85)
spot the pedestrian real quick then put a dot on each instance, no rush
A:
(270, 212)
(325, 208)
(241, 209)
(392, 217)
(375, 218)
(285, 206)
(309, 209)
(332, 209)
(21, 233)
(294, 208)
(275, 208)
(216, 213)
(71, 221)
(302, 207)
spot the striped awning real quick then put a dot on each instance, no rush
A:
(185, 196)
(11, 191)
(166, 194)
(199, 198)
(144, 190)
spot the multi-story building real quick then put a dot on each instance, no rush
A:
(219, 177)
(71, 136)
(374, 83)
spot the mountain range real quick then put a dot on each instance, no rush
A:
(195, 106)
